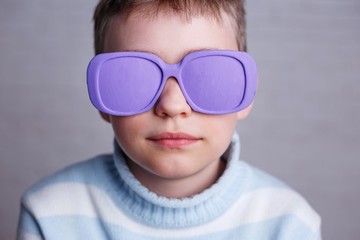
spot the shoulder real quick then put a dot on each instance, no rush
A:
(268, 200)
(66, 182)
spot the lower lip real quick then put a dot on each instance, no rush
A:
(174, 142)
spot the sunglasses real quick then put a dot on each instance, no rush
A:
(212, 81)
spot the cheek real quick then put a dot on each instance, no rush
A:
(220, 130)
(126, 129)
(222, 123)
(128, 132)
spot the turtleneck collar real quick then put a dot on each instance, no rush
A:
(148, 207)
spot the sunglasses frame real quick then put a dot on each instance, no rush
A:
(171, 70)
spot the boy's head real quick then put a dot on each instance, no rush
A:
(107, 9)
(172, 149)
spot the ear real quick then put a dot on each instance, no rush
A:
(105, 116)
(244, 113)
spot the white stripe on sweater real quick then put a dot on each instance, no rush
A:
(260, 205)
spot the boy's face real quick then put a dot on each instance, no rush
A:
(172, 142)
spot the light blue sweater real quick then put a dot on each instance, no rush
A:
(101, 199)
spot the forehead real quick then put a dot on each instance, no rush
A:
(170, 36)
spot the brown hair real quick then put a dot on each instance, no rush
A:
(106, 9)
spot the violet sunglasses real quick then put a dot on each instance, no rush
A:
(212, 81)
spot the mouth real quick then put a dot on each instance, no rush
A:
(173, 140)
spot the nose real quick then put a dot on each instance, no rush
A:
(172, 102)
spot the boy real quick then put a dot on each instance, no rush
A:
(172, 82)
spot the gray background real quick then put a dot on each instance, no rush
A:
(304, 128)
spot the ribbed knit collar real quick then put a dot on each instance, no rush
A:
(161, 212)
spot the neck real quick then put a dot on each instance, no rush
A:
(180, 186)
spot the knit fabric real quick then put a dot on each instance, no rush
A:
(101, 199)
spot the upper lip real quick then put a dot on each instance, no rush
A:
(173, 135)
